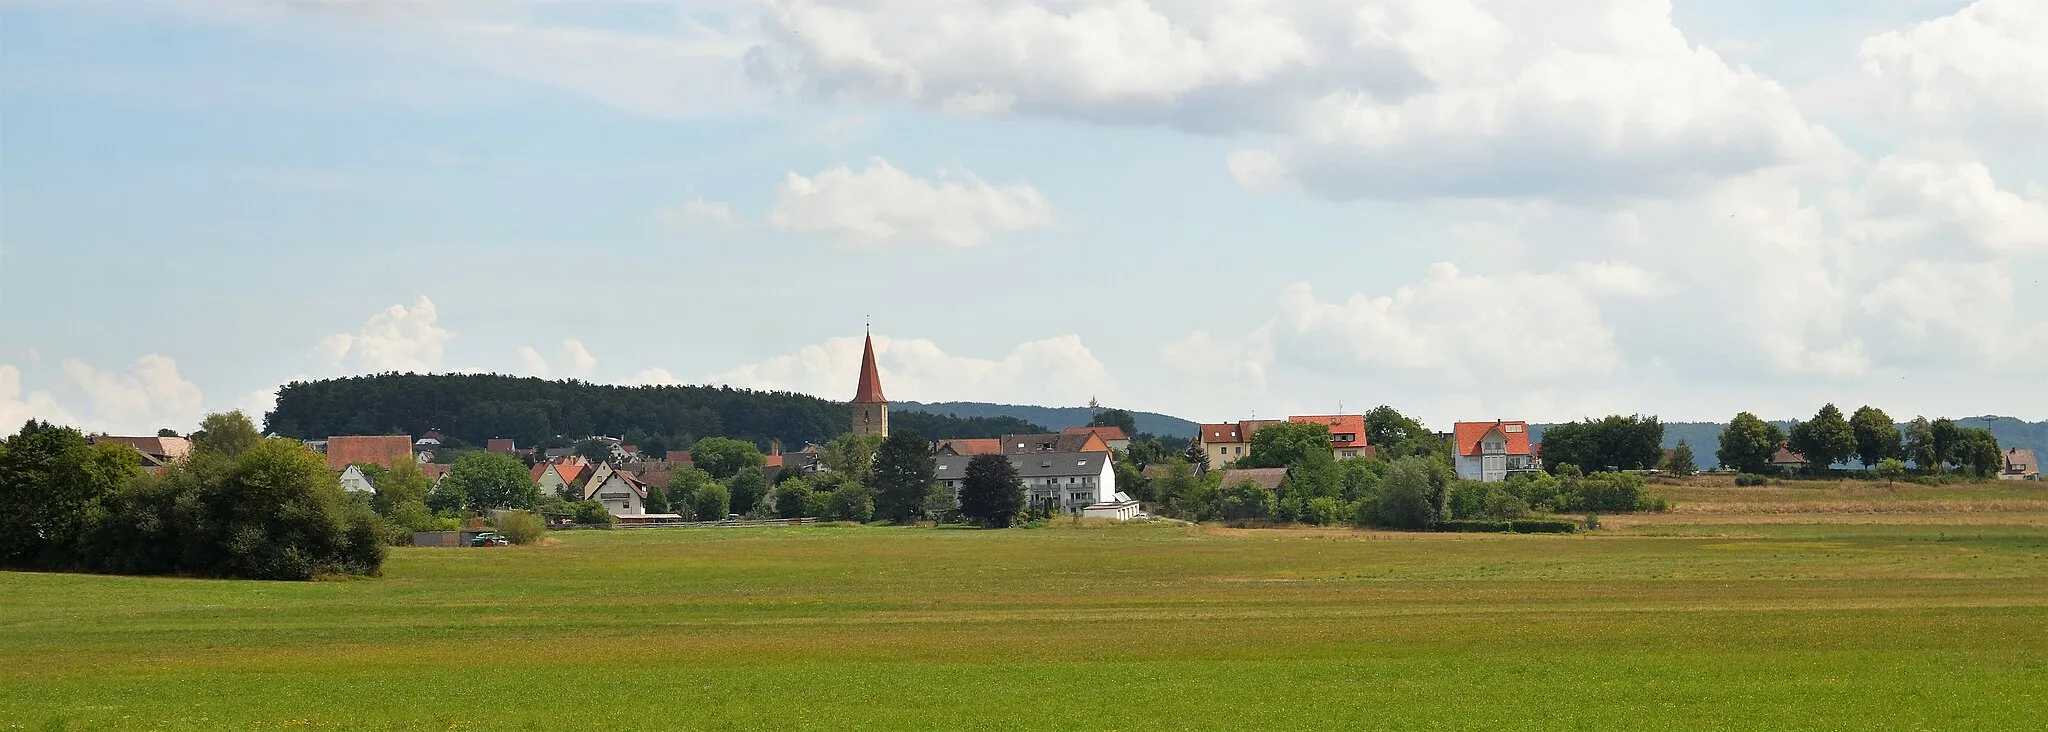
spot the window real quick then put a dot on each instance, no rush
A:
(1513, 428)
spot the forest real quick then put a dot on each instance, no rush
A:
(531, 411)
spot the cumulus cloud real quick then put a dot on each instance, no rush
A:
(1059, 370)
(1979, 67)
(151, 392)
(883, 205)
(17, 407)
(572, 360)
(654, 377)
(397, 339)
(1395, 98)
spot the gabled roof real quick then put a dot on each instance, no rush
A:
(1053, 442)
(1224, 433)
(870, 387)
(1340, 425)
(1106, 432)
(773, 461)
(1032, 465)
(2021, 460)
(1785, 456)
(436, 471)
(1466, 436)
(1267, 478)
(164, 449)
(385, 450)
(500, 444)
(972, 446)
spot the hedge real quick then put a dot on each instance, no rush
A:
(1475, 526)
(1543, 526)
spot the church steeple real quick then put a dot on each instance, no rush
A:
(870, 408)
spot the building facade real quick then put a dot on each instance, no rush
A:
(1070, 481)
(1490, 451)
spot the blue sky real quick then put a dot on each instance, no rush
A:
(1465, 209)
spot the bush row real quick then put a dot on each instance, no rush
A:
(1519, 526)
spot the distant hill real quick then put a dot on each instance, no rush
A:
(1705, 437)
(1057, 418)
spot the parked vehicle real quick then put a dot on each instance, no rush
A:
(490, 538)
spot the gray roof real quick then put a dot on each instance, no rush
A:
(1267, 478)
(1050, 442)
(1034, 465)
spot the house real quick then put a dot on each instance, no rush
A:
(971, 447)
(1267, 478)
(1053, 442)
(384, 450)
(1787, 460)
(1490, 451)
(353, 480)
(1347, 433)
(1070, 481)
(500, 445)
(621, 493)
(157, 452)
(1111, 435)
(1226, 442)
(553, 478)
(436, 472)
(2020, 465)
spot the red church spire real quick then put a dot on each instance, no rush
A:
(870, 390)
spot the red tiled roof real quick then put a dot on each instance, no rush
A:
(436, 471)
(570, 472)
(974, 446)
(1106, 432)
(1340, 425)
(870, 387)
(385, 450)
(499, 444)
(1468, 434)
(168, 448)
(1785, 456)
(1219, 433)
(774, 461)
(2021, 460)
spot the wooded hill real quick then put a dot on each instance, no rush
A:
(477, 407)
(1057, 418)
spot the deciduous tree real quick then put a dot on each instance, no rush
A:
(1877, 436)
(748, 489)
(1824, 440)
(724, 458)
(1747, 444)
(489, 480)
(1286, 444)
(905, 469)
(992, 493)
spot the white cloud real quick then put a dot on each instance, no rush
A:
(1396, 98)
(397, 339)
(572, 361)
(17, 408)
(696, 214)
(883, 205)
(654, 377)
(151, 394)
(1058, 371)
(1929, 207)
(1980, 67)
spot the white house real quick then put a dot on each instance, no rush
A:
(353, 480)
(1489, 451)
(1073, 482)
(620, 493)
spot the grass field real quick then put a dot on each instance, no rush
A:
(1719, 615)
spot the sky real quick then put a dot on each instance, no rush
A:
(1217, 209)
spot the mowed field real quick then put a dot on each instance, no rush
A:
(1837, 607)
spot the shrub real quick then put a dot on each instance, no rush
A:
(818, 504)
(592, 512)
(1543, 526)
(1475, 526)
(792, 499)
(853, 502)
(1751, 479)
(1603, 492)
(1592, 522)
(1323, 511)
(1655, 504)
(521, 527)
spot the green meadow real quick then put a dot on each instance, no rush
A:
(1697, 620)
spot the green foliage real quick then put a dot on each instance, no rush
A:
(1681, 462)
(683, 487)
(1977, 451)
(819, 504)
(227, 433)
(1824, 440)
(657, 499)
(724, 458)
(1877, 436)
(1413, 494)
(594, 450)
(1204, 502)
(711, 501)
(1246, 499)
(905, 470)
(592, 513)
(1285, 444)
(1393, 432)
(955, 426)
(1476, 526)
(1543, 526)
(1359, 477)
(791, 498)
(1131, 481)
(939, 502)
(1750, 480)
(446, 496)
(1471, 499)
(1746, 445)
(1118, 418)
(1891, 469)
(522, 527)
(1175, 485)
(55, 490)
(1323, 511)
(1919, 446)
(488, 480)
(853, 501)
(991, 493)
(404, 483)
(853, 456)
(748, 489)
(1631, 442)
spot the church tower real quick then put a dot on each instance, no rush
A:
(870, 408)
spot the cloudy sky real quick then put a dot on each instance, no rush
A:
(1465, 208)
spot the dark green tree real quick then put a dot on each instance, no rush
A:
(1117, 418)
(792, 498)
(852, 501)
(1747, 444)
(489, 480)
(657, 499)
(711, 502)
(1632, 442)
(905, 469)
(1414, 493)
(1919, 445)
(1824, 440)
(991, 493)
(1287, 444)
(1246, 499)
(1877, 436)
(1947, 441)
(595, 450)
(1388, 428)
(55, 490)
(683, 487)
(724, 458)
(748, 489)
(1681, 462)
(227, 433)
(1977, 450)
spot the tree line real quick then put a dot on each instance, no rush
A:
(474, 408)
(1868, 436)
